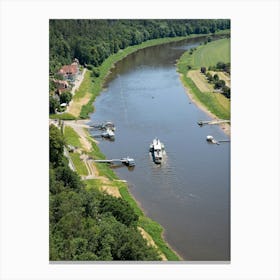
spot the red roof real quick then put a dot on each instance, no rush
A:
(69, 69)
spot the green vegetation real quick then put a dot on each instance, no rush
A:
(86, 86)
(206, 55)
(64, 116)
(53, 104)
(104, 42)
(86, 224)
(92, 41)
(65, 97)
(151, 227)
(71, 137)
(212, 53)
(79, 164)
(93, 184)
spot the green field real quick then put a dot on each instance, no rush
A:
(71, 137)
(206, 55)
(210, 54)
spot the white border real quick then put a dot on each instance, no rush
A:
(255, 138)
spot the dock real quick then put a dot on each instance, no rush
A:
(126, 161)
(108, 134)
(201, 123)
(103, 126)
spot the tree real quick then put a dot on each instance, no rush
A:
(215, 78)
(220, 65)
(226, 91)
(65, 97)
(53, 104)
(209, 77)
(91, 41)
(56, 142)
(219, 84)
(203, 70)
(69, 178)
(95, 72)
(119, 208)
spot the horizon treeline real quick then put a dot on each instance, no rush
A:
(92, 41)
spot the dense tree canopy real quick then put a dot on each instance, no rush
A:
(92, 41)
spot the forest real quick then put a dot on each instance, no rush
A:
(92, 41)
(86, 224)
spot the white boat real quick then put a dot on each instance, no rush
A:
(156, 148)
(108, 134)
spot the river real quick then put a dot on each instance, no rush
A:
(189, 194)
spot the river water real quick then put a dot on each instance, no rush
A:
(189, 193)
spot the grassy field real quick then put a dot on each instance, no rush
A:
(212, 53)
(205, 55)
(71, 137)
(79, 164)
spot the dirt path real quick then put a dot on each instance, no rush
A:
(75, 106)
(78, 82)
(200, 81)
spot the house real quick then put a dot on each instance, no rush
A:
(70, 72)
(61, 85)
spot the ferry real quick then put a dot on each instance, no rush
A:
(156, 148)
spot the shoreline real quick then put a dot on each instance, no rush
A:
(145, 222)
(224, 126)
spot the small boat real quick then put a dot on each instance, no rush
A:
(156, 148)
(211, 139)
(108, 134)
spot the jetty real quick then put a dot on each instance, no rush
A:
(212, 140)
(104, 126)
(109, 134)
(126, 161)
(201, 123)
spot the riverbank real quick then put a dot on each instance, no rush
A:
(100, 176)
(212, 103)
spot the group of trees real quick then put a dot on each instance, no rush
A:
(221, 66)
(55, 100)
(218, 83)
(88, 224)
(92, 41)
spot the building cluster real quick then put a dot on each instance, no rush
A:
(68, 74)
